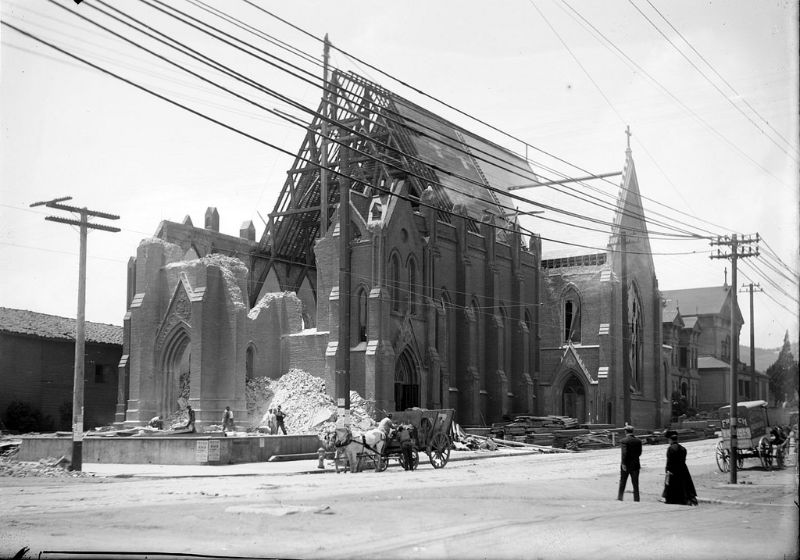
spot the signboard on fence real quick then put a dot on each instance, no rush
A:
(214, 446)
(201, 451)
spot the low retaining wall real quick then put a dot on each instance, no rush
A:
(177, 450)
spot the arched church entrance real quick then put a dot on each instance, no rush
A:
(406, 382)
(573, 398)
(175, 373)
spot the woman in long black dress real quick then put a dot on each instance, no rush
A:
(678, 487)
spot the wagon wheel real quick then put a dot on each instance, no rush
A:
(414, 459)
(382, 464)
(439, 450)
(723, 457)
(765, 453)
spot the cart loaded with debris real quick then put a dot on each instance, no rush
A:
(431, 433)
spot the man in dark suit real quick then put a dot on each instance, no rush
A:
(631, 451)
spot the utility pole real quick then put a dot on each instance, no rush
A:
(737, 252)
(753, 387)
(80, 334)
(323, 170)
(343, 347)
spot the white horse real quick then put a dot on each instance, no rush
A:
(352, 446)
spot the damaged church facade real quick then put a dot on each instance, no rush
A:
(450, 303)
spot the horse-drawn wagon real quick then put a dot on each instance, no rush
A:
(755, 438)
(432, 428)
(430, 432)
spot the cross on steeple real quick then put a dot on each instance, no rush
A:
(628, 133)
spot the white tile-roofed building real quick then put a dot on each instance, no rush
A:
(31, 323)
(696, 301)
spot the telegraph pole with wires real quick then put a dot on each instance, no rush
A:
(80, 330)
(740, 248)
(753, 387)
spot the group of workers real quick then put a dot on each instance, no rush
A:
(276, 420)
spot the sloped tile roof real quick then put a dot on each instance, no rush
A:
(696, 301)
(30, 323)
(710, 362)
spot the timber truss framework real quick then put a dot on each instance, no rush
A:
(364, 117)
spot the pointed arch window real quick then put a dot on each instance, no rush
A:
(636, 349)
(249, 362)
(394, 282)
(360, 315)
(572, 317)
(412, 286)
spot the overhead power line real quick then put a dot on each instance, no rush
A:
(282, 150)
(705, 76)
(218, 66)
(670, 94)
(720, 76)
(445, 104)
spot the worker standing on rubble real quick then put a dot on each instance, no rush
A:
(279, 417)
(190, 422)
(631, 451)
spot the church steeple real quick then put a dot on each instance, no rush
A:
(629, 214)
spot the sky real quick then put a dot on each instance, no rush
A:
(714, 137)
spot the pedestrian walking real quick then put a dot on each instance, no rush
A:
(227, 419)
(678, 484)
(631, 447)
(280, 416)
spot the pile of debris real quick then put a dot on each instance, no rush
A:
(50, 467)
(302, 397)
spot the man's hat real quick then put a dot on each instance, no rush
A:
(671, 434)
(628, 428)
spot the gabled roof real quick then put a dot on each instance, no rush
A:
(389, 139)
(710, 362)
(41, 325)
(696, 301)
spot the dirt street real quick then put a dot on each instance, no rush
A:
(525, 506)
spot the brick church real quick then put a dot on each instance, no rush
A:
(451, 304)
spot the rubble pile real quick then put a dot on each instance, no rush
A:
(258, 396)
(302, 397)
(51, 467)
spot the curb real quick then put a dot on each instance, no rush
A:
(733, 503)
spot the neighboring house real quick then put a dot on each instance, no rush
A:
(37, 364)
(708, 311)
(680, 359)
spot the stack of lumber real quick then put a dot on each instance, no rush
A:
(592, 440)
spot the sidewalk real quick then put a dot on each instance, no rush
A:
(777, 488)
(302, 466)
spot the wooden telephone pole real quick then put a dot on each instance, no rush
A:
(80, 334)
(737, 251)
(753, 393)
